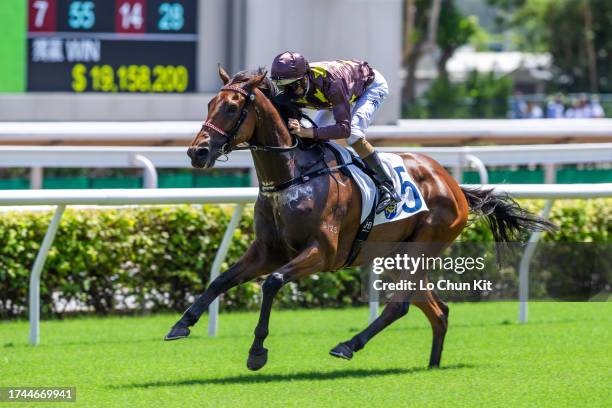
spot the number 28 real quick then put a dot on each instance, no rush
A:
(171, 17)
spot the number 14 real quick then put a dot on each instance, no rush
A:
(131, 16)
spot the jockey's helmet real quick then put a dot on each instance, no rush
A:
(288, 67)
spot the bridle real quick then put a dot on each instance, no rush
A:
(230, 135)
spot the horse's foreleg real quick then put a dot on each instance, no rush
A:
(249, 266)
(307, 262)
(391, 313)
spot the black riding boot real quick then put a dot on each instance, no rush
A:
(388, 195)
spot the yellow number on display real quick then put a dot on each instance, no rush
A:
(159, 76)
(182, 78)
(130, 78)
(108, 79)
(169, 84)
(133, 78)
(144, 78)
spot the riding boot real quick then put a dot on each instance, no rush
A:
(388, 195)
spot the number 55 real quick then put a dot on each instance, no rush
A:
(81, 15)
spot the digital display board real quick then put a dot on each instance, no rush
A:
(132, 46)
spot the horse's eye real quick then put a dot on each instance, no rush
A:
(231, 108)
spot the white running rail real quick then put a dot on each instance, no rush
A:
(152, 158)
(430, 131)
(239, 196)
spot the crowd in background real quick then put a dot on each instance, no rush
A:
(558, 106)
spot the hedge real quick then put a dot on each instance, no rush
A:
(159, 258)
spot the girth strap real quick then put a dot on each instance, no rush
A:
(362, 236)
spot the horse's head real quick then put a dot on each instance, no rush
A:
(231, 119)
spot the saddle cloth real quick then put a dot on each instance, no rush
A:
(412, 200)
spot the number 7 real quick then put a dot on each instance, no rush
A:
(41, 7)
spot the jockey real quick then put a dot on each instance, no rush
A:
(353, 91)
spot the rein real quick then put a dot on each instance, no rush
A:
(231, 134)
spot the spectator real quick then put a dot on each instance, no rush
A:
(574, 111)
(558, 106)
(595, 108)
(533, 111)
(518, 108)
(555, 108)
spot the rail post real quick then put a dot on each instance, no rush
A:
(36, 177)
(373, 296)
(149, 177)
(480, 167)
(213, 309)
(39, 263)
(524, 265)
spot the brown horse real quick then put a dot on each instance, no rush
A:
(305, 225)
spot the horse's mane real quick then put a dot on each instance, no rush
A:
(285, 107)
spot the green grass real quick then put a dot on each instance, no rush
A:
(562, 357)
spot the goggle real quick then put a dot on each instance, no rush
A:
(289, 85)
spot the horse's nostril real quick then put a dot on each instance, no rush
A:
(202, 152)
(197, 152)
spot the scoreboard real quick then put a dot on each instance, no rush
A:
(133, 46)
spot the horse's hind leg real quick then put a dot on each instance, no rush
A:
(427, 243)
(441, 304)
(437, 314)
(391, 312)
(397, 307)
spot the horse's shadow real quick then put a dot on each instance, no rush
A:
(299, 376)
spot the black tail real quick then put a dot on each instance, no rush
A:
(507, 220)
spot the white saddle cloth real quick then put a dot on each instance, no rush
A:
(412, 200)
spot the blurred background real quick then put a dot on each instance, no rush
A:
(443, 58)
(129, 64)
(461, 72)
(507, 58)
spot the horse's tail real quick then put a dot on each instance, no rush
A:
(507, 220)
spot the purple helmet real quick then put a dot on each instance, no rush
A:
(288, 67)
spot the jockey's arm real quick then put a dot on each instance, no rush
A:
(338, 96)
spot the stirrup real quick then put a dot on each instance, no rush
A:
(385, 201)
(383, 204)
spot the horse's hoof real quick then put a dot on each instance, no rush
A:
(257, 359)
(342, 351)
(177, 332)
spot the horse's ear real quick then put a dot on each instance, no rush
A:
(223, 75)
(255, 81)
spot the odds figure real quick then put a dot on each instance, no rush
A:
(352, 92)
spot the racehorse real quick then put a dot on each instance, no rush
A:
(305, 225)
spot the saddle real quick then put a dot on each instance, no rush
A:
(343, 163)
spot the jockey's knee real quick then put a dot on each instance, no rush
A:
(361, 146)
(383, 92)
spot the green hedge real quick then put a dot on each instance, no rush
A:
(158, 258)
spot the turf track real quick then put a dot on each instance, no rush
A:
(562, 357)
